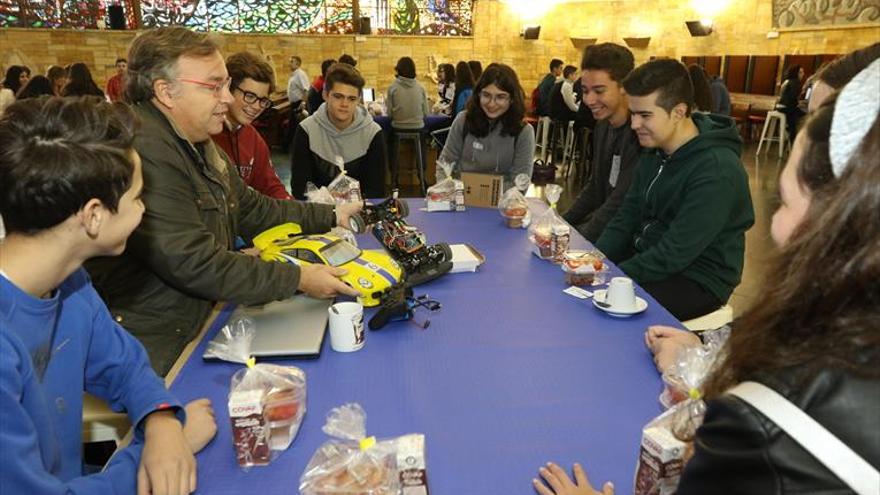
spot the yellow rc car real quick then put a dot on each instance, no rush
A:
(371, 272)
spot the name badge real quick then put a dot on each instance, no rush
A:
(615, 170)
(478, 146)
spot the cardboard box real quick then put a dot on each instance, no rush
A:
(483, 190)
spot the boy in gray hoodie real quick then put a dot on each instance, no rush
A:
(339, 135)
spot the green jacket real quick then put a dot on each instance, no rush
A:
(686, 213)
(180, 259)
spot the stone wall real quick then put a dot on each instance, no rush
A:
(741, 29)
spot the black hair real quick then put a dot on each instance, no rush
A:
(614, 59)
(348, 59)
(342, 73)
(80, 82)
(568, 70)
(120, 59)
(325, 66)
(702, 93)
(13, 73)
(793, 72)
(448, 71)
(464, 79)
(476, 69)
(505, 78)
(406, 68)
(556, 63)
(667, 76)
(38, 85)
(58, 154)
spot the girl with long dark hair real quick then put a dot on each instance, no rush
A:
(702, 93)
(464, 87)
(445, 89)
(80, 82)
(491, 135)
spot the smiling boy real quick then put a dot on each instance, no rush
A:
(680, 232)
(339, 134)
(252, 82)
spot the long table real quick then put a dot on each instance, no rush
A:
(510, 374)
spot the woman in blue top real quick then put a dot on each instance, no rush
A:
(464, 86)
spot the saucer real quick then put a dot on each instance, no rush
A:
(599, 295)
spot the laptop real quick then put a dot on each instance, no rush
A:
(292, 328)
(369, 95)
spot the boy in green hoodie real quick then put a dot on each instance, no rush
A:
(680, 232)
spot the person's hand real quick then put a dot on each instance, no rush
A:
(167, 463)
(200, 425)
(344, 211)
(666, 342)
(561, 484)
(252, 251)
(323, 282)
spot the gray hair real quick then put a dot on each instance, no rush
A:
(153, 55)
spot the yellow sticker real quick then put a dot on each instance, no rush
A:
(368, 442)
(251, 362)
(694, 394)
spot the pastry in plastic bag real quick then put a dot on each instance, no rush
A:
(448, 193)
(345, 189)
(684, 378)
(549, 233)
(267, 403)
(513, 206)
(354, 464)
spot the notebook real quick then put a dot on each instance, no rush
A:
(369, 95)
(292, 328)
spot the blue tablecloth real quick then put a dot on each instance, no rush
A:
(512, 373)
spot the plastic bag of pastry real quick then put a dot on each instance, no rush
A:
(322, 195)
(549, 233)
(353, 463)
(513, 205)
(345, 189)
(666, 447)
(267, 403)
(684, 378)
(235, 346)
(448, 193)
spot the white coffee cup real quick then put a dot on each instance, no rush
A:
(346, 326)
(621, 295)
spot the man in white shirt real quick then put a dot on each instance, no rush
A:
(570, 75)
(297, 90)
(298, 84)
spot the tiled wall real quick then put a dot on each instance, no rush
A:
(741, 29)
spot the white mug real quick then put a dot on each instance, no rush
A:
(621, 295)
(346, 326)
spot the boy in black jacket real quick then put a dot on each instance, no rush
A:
(680, 232)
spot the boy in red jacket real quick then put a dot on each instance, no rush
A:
(252, 82)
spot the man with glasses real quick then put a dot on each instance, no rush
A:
(252, 82)
(180, 259)
(339, 136)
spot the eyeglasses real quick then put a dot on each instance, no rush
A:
(500, 98)
(215, 87)
(341, 97)
(250, 98)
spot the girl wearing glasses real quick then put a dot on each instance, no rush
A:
(252, 81)
(490, 136)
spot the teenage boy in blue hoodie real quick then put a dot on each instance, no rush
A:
(70, 185)
(680, 232)
(339, 135)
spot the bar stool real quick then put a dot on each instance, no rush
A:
(415, 136)
(543, 131)
(774, 124)
(716, 319)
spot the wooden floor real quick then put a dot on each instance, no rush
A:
(763, 174)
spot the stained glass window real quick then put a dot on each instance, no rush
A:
(425, 17)
(76, 14)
